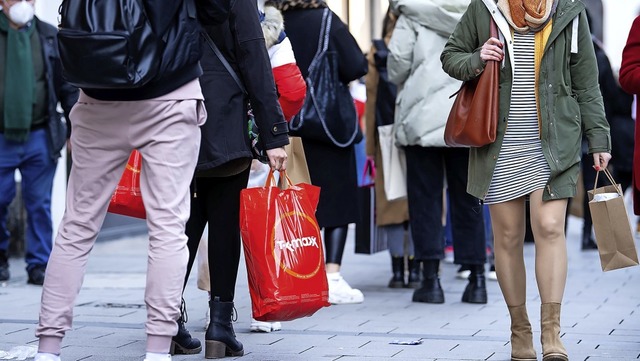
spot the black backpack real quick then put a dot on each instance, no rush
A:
(386, 91)
(110, 44)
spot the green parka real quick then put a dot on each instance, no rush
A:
(568, 92)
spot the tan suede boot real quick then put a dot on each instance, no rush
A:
(521, 335)
(552, 348)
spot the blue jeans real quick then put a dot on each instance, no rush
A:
(426, 172)
(37, 168)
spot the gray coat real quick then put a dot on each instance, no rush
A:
(423, 102)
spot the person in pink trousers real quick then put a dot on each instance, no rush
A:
(160, 119)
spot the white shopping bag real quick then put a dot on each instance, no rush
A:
(394, 164)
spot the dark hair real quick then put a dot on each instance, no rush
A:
(389, 22)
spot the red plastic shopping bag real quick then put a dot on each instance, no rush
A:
(283, 251)
(127, 199)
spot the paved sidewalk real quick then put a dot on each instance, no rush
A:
(600, 319)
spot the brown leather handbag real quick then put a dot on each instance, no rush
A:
(473, 118)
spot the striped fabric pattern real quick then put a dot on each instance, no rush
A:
(521, 166)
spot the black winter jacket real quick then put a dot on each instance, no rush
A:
(58, 90)
(225, 134)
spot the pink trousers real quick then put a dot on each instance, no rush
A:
(166, 132)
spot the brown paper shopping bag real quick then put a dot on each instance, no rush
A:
(297, 162)
(611, 224)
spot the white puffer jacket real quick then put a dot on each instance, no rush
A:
(423, 102)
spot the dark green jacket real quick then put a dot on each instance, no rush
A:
(568, 91)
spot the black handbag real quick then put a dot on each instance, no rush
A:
(328, 113)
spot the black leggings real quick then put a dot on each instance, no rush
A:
(217, 202)
(335, 239)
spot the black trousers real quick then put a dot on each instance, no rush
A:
(216, 201)
(426, 171)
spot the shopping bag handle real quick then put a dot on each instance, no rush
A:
(271, 180)
(370, 169)
(613, 182)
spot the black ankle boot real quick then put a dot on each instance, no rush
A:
(414, 273)
(397, 269)
(431, 291)
(476, 291)
(182, 343)
(220, 339)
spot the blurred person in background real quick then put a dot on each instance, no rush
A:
(32, 131)
(422, 110)
(392, 217)
(630, 82)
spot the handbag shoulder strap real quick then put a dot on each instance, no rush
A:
(323, 38)
(380, 45)
(224, 61)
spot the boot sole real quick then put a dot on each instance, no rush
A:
(428, 299)
(524, 359)
(176, 349)
(479, 296)
(476, 299)
(217, 349)
(555, 357)
(396, 284)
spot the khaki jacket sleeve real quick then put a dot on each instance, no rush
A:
(586, 90)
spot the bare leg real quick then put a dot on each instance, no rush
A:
(547, 224)
(508, 222)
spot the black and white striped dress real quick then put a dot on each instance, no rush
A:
(521, 166)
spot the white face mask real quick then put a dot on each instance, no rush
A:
(21, 13)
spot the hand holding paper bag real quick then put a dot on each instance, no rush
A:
(611, 224)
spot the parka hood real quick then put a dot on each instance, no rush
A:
(272, 25)
(441, 16)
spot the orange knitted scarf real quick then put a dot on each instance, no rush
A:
(527, 15)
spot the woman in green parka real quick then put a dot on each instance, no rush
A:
(548, 96)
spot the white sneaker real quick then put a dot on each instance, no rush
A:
(340, 292)
(157, 357)
(463, 273)
(260, 326)
(46, 357)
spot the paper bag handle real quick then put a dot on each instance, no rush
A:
(613, 182)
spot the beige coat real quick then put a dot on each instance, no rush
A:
(387, 213)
